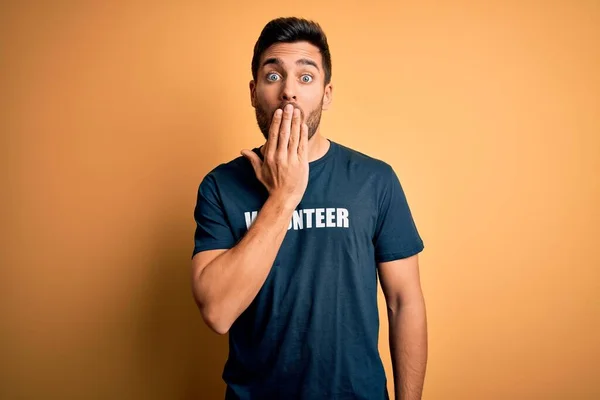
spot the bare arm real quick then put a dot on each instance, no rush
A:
(225, 285)
(408, 325)
(224, 282)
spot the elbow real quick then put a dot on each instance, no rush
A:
(212, 317)
(217, 325)
(211, 312)
(215, 321)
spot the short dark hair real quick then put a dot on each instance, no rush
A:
(289, 30)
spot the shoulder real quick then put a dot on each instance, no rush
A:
(365, 163)
(233, 182)
(235, 170)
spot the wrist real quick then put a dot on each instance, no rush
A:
(284, 204)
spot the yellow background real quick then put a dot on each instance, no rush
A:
(112, 112)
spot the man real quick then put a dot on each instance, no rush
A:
(290, 239)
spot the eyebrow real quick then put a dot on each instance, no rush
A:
(279, 61)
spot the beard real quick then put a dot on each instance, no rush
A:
(264, 119)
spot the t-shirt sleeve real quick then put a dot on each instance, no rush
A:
(396, 235)
(212, 229)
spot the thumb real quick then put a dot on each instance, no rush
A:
(254, 160)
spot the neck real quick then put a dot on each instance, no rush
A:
(317, 147)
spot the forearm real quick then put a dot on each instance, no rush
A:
(408, 347)
(229, 283)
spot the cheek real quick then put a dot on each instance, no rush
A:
(313, 106)
(313, 97)
(266, 93)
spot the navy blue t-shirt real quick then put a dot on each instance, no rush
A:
(312, 330)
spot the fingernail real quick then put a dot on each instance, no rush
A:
(289, 107)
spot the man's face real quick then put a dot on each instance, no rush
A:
(290, 73)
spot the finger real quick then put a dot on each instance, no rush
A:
(284, 130)
(271, 145)
(295, 132)
(254, 160)
(303, 145)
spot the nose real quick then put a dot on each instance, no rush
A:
(288, 91)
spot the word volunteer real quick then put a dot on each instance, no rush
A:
(311, 218)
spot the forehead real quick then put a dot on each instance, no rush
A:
(290, 52)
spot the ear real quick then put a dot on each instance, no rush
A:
(327, 96)
(252, 93)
